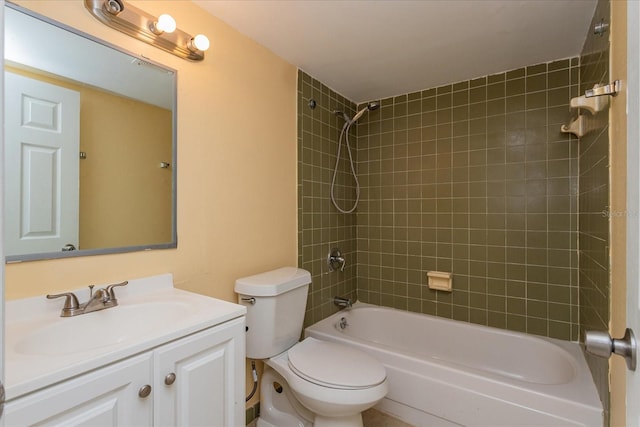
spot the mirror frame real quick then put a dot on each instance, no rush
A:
(9, 259)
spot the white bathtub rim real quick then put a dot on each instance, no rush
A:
(568, 349)
(460, 374)
(579, 393)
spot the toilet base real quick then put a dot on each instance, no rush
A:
(278, 406)
(262, 423)
(350, 421)
(355, 421)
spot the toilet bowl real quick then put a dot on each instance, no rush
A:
(306, 383)
(330, 379)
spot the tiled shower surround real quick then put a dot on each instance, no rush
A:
(473, 178)
(320, 226)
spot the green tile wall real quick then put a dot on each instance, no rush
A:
(594, 202)
(320, 226)
(474, 178)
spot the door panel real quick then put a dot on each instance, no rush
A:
(633, 200)
(2, 181)
(41, 157)
(209, 379)
(106, 397)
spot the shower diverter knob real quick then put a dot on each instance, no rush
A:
(601, 344)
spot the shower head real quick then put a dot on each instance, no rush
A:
(370, 107)
(373, 106)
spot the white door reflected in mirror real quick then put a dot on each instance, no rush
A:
(42, 141)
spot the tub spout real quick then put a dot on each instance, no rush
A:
(342, 302)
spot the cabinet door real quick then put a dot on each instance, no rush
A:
(209, 379)
(106, 397)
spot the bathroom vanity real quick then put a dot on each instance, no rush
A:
(161, 357)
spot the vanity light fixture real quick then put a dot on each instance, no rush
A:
(199, 42)
(160, 32)
(164, 24)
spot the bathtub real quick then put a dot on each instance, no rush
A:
(443, 372)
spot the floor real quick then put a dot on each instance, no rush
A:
(371, 418)
(374, 418)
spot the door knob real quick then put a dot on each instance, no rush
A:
(68, 247)
(601, 344)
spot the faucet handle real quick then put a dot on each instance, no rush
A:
(70, 303)
(110, 291)
(336, 260)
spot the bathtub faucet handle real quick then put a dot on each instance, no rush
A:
(335, 260)
(342, 302)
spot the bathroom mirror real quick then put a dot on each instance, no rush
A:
(90, 144)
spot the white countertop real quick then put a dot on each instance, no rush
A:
(35, 359)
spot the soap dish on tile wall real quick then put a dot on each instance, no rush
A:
(594, 101)
(577, 127)
(440, 281)
(592, 104)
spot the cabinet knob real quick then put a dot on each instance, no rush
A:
(144, 391)
(170, 379)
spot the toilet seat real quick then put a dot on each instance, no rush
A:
(335, 366)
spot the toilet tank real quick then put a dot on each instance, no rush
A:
(275, 302)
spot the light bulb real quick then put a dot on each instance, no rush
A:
(166, 23)
(200, 42)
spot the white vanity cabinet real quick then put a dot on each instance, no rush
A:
(105, 397)
(197, 380)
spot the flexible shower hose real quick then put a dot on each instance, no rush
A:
(345, 133)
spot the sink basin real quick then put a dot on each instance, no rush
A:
(42, 348)
(98, 329)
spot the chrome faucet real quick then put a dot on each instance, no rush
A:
(98, 300)
(342, 302)
(335, 260)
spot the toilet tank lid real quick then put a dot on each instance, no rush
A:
(273, 282)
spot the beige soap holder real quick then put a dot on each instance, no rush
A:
(593, 104)
(577, 127)
(439, 280)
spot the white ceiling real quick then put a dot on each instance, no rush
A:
(368, 50)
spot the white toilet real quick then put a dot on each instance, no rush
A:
(306, 383)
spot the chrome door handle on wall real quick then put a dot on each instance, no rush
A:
(601, 344)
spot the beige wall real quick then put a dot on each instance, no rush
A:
(125, 196)
(236, 164)
(618, 229)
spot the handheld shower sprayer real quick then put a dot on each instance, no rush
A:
(345, 131)
(370, 107)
